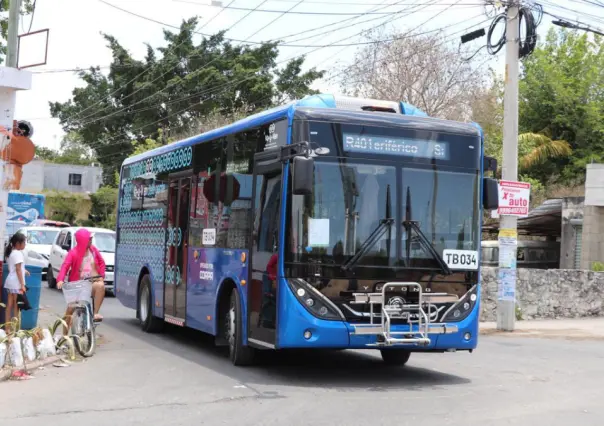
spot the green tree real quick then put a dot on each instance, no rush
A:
(487, 110)
(72, 151)
(46, 154)
(561, 97)
(63, 206)
(103, 207)
(167, 94)
(534, 149)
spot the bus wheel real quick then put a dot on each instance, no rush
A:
(149, 323)
(238, 353)
(395, 356)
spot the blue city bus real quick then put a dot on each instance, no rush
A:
(330, 222)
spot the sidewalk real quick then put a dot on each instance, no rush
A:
(46, 318)
(572, 329)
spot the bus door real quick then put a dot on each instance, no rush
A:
(177, 230)
(263, 289)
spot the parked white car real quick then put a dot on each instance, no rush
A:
(103, 239)
(39, 243)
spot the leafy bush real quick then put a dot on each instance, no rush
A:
(104, 207)
(597, 267)
(64, 206)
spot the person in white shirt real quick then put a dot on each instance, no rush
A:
(15, 281)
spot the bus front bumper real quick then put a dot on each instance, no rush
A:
(297, 328)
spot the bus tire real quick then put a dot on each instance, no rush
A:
(395, 356)
(149, 323)
(239, 354)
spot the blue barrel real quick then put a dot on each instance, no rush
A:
(29, 319)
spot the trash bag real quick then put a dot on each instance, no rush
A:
(3, 349)
(46, 346)
(29, 351)
(15, 353)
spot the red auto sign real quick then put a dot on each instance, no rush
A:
(514, 198)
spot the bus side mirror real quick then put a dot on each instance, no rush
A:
(489, 164)
(303, 174)
(490, 194)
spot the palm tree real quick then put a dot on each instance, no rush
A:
(539, 147)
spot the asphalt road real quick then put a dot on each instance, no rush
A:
(178, 378)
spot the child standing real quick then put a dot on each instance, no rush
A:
(15, 281)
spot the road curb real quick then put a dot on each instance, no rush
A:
(7, 373)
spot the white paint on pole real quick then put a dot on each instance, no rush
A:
(506, 308)
(11, 80)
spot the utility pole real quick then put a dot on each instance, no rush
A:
(11, 80)
(506, 301)
(13, 32)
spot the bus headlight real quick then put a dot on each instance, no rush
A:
(462, 308)
(314, 301)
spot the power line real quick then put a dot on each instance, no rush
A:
(585, 15)
(33, 14)
(281, 38)
(188, 57)
(227, 85)
(338, 3)
(144, 71)
(62, 70)
(161, 91)
(290, 10)
(333, 77)
(588, 2)
(566, 24)
(305, 13)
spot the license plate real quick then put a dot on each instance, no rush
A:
(461, 259)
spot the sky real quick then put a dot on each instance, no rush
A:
(75, 39)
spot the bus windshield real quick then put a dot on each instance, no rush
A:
(361, 203)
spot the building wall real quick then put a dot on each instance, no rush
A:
(550, 293)
(56, 178)
(33, 177)
(39, 176)
(594, 185)
(593, 220)
(571, 230)
(593, 236)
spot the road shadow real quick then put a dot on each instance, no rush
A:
(302, 368)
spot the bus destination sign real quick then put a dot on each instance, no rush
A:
(408, 147)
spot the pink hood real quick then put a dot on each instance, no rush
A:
(74, 258)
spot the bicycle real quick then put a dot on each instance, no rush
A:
(78, 294)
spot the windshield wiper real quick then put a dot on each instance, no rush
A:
(384, 226)
(425, 242)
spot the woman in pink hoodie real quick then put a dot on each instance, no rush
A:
(84, 261)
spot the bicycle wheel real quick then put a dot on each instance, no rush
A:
(82, 328)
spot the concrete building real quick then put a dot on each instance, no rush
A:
(593, 217)
(39, 176)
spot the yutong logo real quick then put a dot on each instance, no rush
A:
(396, 302)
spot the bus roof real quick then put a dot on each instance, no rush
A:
(342, 104)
